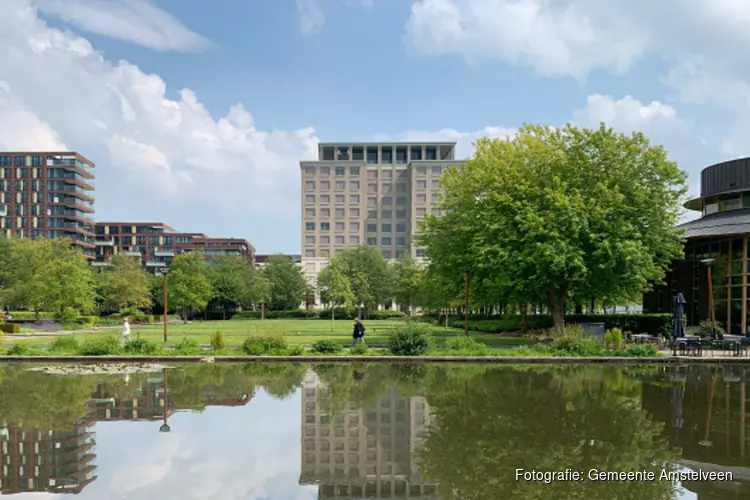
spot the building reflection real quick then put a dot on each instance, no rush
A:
(704, 410)
(363, 452)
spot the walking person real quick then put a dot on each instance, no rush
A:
(359, 332)
(125, 332)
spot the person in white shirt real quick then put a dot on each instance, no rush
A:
(125, 332)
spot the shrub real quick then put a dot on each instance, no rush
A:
(358, 350)
(613, 338)
(297, 313)
(188, 346)
(88, 320)
(409, 340)
(141, 346)
(30, 316)
(296, 350)
(258, 345)
(705, 329)
(19, 349)
(65, 343)
(104, 346)
(466, 345)
(570, 346)
(639, 351)
(385, 314)
(326, 347)
(10, 328)
(218, 342)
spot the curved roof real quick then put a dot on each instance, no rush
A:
(726, 177)
(718, 224)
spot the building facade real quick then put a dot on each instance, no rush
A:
(157, 244)
(48, 194)
(718, 238)
(372, 194)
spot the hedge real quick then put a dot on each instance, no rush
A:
(339, 313)
(29, 315)
(12, 328)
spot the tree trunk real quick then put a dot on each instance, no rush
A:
(579, 308)
(556, 302)
(262, 310)
(592, 310)
(524, 317)
(445, 315)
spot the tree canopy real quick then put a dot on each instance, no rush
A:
(123, 284)
(286, 283)
(188, 285)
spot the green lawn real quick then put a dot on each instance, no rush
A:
(296, 331)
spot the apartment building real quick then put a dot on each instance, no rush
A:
(48, 194)
(369, 194)
(157, 244)
(260, 260)
(364, 452)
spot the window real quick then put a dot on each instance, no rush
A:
(416, 153)
(372, 241)
(387, 188)
(343, 154)
(37, 161)
(422, 184)
(353, 213)
(309, 252)
(324, 198)
(340, 227)
(325, 185)
(309, 240)
(401, 241)
(401, 214)
(354, 171)
(19, 161)
(354, 199)
(421, 211)
(354, 185)
(435, 211)
(435, 184)
(387, 254)
(372, 188)
(372, 228)
(4, 161)
(401, 227)
(310, 198)
(325, 212)
(372, 202)
(421, 170)
(372, 154)
(435, 197)
(340, 198)
(372, 214)
(401, 187)
(387, 214)
(339, 240)
(401, 200)
(387, 174)
(386, 155)
(309, 226)
(309, 212)
(340, 171)
(732, 203)
(437, 170)
(325, 170)
(420, 253)
(353, 226)
(430, 153)
(340, 185)
(325, 226)
(354, 240)
(309, 170)
(358, 153)
(325, 253)
(385, 228)
(340, 212)
(386, 242)
(309, 185)
(421, 199)
(325, 240)
(372, 174)
(387, 200)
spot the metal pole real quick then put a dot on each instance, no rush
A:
(466, 304)
(165, 309)
(711, 311)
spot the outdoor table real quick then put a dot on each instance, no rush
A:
(686, 344)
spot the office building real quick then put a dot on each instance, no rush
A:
(48, 194)
(721, 234)
(261, 260)
(364, 452)
(156, 244)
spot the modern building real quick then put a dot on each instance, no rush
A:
(364, 452)
(48, 194)
(720, 234)
(156, 244)
(260, 260)
(369, 194)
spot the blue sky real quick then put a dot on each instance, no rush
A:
(198, 113)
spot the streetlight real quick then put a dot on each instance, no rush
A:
(165, 426)
(164, 273)
(467, 270)
(711, 311)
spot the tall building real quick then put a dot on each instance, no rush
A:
(48, 194)
(156, 244)
(369, 193)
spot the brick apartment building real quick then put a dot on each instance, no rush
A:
(156, 244)
(48, 194)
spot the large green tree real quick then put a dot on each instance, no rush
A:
(230, 279)
(335, 287)
(561, 213)
(188, 286)
(123, 284)
(408, 284)
(370, 277)
(287, 285)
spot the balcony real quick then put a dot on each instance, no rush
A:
(81, 218)
(73, 164)
(152, 263)
(74, 179)
(164, 253)
(72, 190)
(74, 227)
(72, 202)
(99, 263)
(105, 243)
(133, 253)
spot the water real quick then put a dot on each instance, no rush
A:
(299, 432)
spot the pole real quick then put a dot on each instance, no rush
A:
(165, 309)
(711, 311)
(466, 304)
(165, 426)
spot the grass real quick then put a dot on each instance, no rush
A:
(295, 331)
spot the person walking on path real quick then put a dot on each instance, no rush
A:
(125, 332)
(359, 332)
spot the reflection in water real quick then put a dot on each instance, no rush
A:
(402, 431)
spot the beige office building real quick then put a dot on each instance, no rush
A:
(364, 452)
(369, 193)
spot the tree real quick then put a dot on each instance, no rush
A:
(408, 282)
(230, 279)
(188, 285)
(124, 285)
(335, 288)
(561, 213)
(259, 291)
(287, 284)
(370, 276)
(72, 284)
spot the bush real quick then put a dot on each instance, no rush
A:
(296, 350)
(613, 338)
(10, 328)
(259, 345)
(326, 347)
(88, 320)
(409, 340)
(72, 326)
(385, 314)
(705, 329)
(105, 346)
(574, 343)
(358, 350)
(19, 349)
(68, 314)
(297, 313)
(30, 316)
(639, 351)
(466, 345)
(65, 343)
(141, 346)
(188, 346)
(218, 342)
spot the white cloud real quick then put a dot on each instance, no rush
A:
(463, 140)
(57, 89)
(312, 16)
(136, 21)
(626, 115)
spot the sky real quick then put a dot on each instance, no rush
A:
(198, 113)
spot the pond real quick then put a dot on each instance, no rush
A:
(297, 431)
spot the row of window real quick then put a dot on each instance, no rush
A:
(339, 171)
(311, 253)
(20, 161)
(354, 199)
(326, 185)
(372, 174)
(384, 154)
(726, 202)
(354, 213)
(340, 227)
